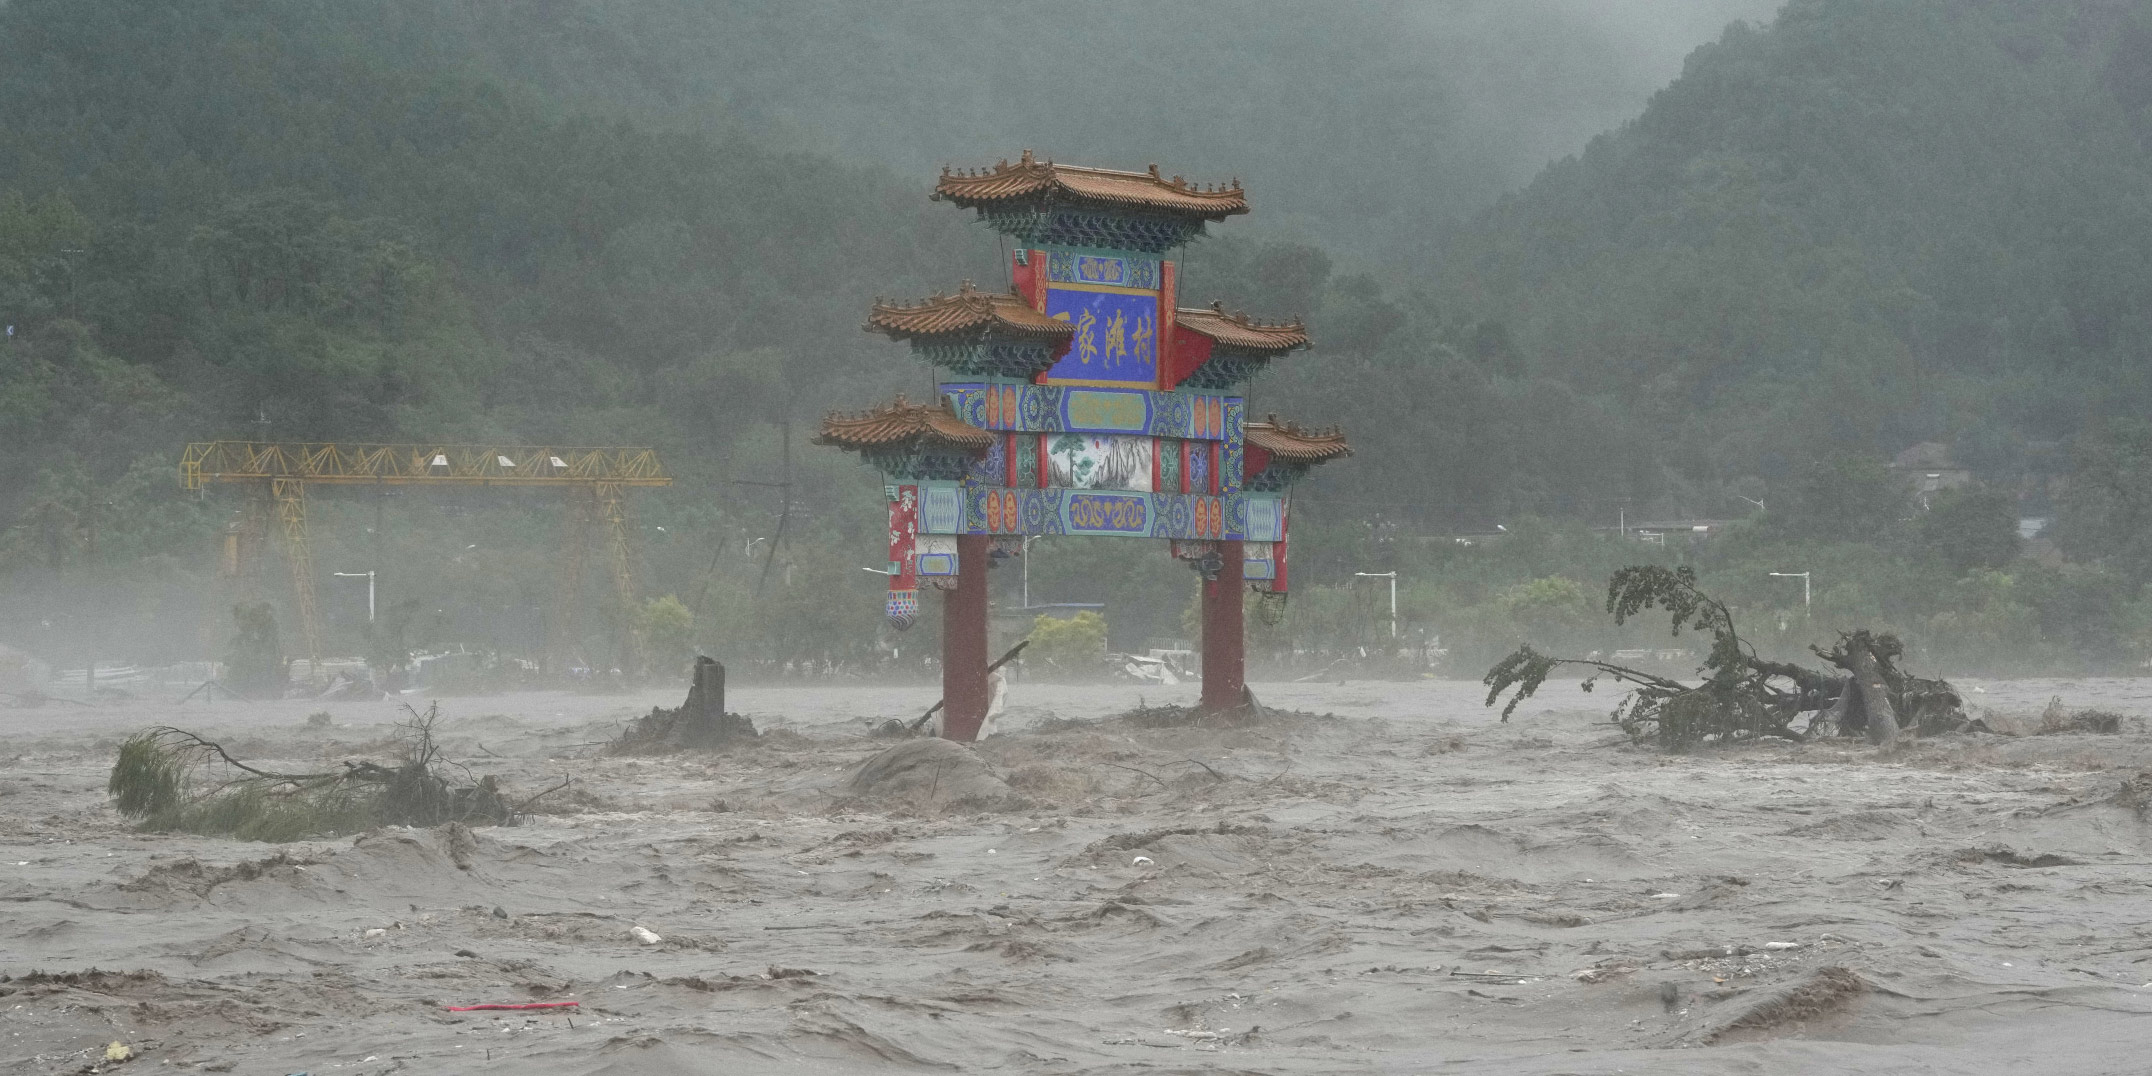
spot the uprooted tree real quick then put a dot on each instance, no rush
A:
(1743, 695)
(172, 780)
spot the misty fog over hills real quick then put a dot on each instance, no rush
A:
(1762, 262)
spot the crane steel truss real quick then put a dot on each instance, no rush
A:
(597, 478)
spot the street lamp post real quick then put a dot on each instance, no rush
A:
(1803, 577)
(1026, 557)
(1392, 577)
(369, 577)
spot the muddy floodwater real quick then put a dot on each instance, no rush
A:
(1403, 885)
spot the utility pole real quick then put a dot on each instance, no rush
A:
(1392, 577)
(1026, 557)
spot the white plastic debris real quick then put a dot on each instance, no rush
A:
(1142, 861)
(1782, 945)
(378, 932)
(645, 935)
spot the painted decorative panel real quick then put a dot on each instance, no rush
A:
(1093, 409)
(968, 399)
(1116, 339)
(1105, 411)
(1229, 463)
(997, 511)
(937, 555)
(991, 468)
(1077, 461)
(1108, 513)
(1169, 465)
(903, 604)
(1189, 516)
(1176, 515)
(1042, 512)
(903, 534)
(1040, 408)
(1170, 414)
(1266, 519)
(1256, 562)
(1027, 461)
(941, 509)
(1070, 267)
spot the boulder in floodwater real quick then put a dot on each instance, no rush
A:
(929, 773)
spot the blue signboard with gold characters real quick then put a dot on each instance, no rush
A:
(1116, 340)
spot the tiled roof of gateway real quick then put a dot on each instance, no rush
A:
(1241, 331)
(968, 309)
(1292, 444)
(902, 424)
(1031, 178)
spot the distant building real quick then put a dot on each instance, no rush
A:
(1658, 531)
(1927, 468)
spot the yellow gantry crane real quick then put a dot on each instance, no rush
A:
(279, 473)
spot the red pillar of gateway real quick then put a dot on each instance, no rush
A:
(964, 691)
(1225, 662)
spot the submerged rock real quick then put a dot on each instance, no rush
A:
(929, 773)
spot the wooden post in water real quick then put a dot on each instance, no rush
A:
(1224, 656)
(965, 695)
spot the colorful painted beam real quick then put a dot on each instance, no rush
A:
(1084, 401)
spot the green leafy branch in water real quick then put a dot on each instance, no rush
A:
(1743, 696)
(172, 780)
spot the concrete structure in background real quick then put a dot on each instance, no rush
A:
(1927, 469)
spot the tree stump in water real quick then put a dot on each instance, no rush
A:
(700, 722)
(703, 721)
(1865, 699)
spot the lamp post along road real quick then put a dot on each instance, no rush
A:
(1026, 556)
(1392, 577)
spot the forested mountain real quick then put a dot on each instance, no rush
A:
(233, 219)
(1867, 225)
(1860, 225)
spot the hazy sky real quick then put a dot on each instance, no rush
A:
(1541, 77)
(1341, 117)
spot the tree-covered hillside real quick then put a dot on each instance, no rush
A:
(1867, 225)
(267, 220)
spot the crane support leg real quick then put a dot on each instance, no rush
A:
(290, 495)
(619, 537)
(568, 598)
(291, 517)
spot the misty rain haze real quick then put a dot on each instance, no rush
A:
(472, 599)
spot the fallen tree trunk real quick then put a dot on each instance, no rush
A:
(1744, 695)
(1880, 717)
